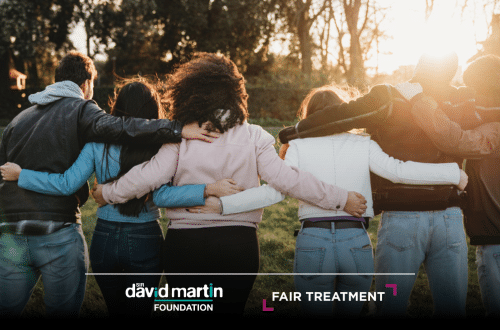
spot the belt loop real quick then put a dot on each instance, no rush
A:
(332, 228)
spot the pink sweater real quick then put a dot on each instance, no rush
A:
(244, 153)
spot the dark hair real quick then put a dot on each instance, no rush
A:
(135, 98)
(75, 67)
(319, 99)
(483, 75)
(207, 88)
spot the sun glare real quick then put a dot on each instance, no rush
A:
(446, 30)
(443, 35)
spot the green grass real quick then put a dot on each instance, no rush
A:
(277, 244)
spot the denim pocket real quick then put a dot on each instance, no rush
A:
(309, 260)
(455, 234)
(363, 258)
(62, 256)
(144, 250)
(399, 230)
(98, 247)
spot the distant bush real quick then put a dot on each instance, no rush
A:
(272, 106)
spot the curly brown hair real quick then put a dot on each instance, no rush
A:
(207, 88)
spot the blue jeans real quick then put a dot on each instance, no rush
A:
(320, 250)
(121, 247)
(434, 238)
(60, 258)
(488, 271)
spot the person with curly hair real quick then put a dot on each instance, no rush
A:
(210, 88)
(332, 243)
(40, 232)
(128, 237)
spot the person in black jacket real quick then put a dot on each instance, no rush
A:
(41, 235)
(418, 226)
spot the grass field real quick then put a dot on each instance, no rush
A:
(277, 244)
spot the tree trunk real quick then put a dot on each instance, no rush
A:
(303, 28)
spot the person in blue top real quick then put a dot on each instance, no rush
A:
(127, 237)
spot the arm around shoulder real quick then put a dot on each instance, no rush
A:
(449, 137)
(366, 111)
(98, 126)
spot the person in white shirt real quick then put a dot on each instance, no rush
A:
(333, 250)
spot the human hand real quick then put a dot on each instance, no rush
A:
(10, 171)
(212, 205)
(193, 131)
(97, 195)
(222, 187)
(464, 179)
(409, 90)
(356, 204)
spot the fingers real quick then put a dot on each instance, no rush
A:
(207, 133)
(196, 210)
(361, 197)
(205, 138)
(10, 171)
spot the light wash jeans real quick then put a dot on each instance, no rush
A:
(434, 238)
(320, 250)
(60, 258)
(488, 271)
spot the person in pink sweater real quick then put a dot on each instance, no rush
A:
(210, 88)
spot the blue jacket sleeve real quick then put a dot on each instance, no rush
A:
(179, 196)
(60, 184)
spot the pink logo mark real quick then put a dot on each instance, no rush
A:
(264, 308)
(394, 288)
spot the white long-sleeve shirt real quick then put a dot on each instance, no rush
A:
(344, 160)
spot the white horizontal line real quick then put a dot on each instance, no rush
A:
(203, 274)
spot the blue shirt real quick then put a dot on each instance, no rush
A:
(90, 160)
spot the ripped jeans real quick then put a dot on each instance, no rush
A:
(435, 239)
(344, 252)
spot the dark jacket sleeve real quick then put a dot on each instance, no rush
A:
(365, 112)
(95, 125)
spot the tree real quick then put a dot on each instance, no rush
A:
(31, 30)
(235, 28)
(361, 20)
(153, 36)
(300, 16)
(99, 17)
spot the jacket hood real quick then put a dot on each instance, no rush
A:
(56, 92)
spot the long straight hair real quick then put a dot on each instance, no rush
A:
(319, 99)
(136, 98)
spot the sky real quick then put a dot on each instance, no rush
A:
(445, 30)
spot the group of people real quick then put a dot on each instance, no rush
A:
(204, 165)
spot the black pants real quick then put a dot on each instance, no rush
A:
(221, 250)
